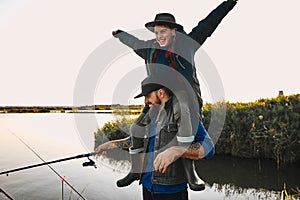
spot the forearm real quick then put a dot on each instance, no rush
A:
(207, 26)
(195, 151)
(216, 16)
(139, 46)
(122, 143)
(113, 144)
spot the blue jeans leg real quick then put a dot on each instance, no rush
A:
(147, 195)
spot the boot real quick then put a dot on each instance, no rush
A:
(192, 177)
(137, 132)
(135, 172)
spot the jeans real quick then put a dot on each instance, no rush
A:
(183, 195)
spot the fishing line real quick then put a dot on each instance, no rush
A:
(7, 195)
(61, 178)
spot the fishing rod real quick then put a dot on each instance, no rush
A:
(85, 164)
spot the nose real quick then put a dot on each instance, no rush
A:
(158, 35)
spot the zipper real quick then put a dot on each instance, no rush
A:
(180, 62)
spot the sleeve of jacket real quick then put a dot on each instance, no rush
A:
(207, 26)
(205, 140)
(139, 46)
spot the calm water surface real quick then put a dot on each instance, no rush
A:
(55, 136)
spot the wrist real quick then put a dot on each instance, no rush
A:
(179, 150)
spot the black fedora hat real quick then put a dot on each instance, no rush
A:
(149, 85)
(163, 19)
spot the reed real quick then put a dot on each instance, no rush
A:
(264, 129)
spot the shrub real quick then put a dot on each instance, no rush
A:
(113, 130)
(267, 128)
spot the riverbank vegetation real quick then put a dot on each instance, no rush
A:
(264, 129)
(113, 130)
(267, 128)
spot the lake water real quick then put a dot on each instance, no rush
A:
(55, 136)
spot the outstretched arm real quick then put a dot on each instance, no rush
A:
(139, 46)
(207, 26)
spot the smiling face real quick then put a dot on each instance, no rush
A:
(164, 35)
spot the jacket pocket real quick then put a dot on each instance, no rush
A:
(168, 135)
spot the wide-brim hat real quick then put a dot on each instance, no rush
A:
(149, 85)
(163, 19)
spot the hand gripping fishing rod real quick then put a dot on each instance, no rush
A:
(85, 164)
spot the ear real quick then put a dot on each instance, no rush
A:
(161, 93)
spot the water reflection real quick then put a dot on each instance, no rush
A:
(236, 191)
(234, 176)
(249, 173)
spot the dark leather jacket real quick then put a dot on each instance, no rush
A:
(171, 130)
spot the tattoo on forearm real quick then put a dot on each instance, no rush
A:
(195, 146)
(193, 151)
(124, 144)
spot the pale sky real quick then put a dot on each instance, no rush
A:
(45, 43)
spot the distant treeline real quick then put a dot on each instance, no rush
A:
(71, 109)
(264, 129)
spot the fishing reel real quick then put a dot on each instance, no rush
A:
(89, 163)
